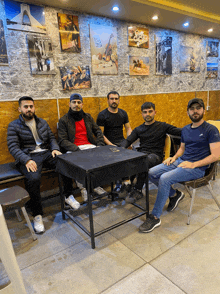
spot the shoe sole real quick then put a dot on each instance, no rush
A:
(156, 225)
(39, 233)
(181, 198)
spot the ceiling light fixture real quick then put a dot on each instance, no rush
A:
(115, 8)
(210, 30)
(186, 24)
(155, 17)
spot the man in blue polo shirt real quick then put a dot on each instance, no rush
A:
(200, 146)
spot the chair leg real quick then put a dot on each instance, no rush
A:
(191, 205)
(29, 223)
(213, 195)
(18, 215)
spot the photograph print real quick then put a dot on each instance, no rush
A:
(75, 77)
(189, 59)
(164, 56)
(212, 70)
(69, 33)
(103, 40)
(40, 55)
(25, 17)
(3, 49)
(138, 37)
(212, 49)
(138, 66)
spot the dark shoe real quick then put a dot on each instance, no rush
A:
(175, 200)
(134, 195)
(125, 189)
(150, 224)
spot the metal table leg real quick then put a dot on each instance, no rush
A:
(88, 184)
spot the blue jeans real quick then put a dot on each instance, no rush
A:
(164, 176)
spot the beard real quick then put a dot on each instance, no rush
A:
(28, 116)
(114, 105)
(149, 118)
(196, 119)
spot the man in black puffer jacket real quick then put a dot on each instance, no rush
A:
(33, 145)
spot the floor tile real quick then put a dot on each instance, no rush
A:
(142, 281)
(193, 264)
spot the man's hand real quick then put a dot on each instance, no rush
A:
(31, 166)
(55, 152)
(187, 164)
(169, 161)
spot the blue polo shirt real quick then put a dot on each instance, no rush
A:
(197, 141)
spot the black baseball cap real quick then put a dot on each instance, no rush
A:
(76, 96)
(195, 100)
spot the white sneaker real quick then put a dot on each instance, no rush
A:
(100, 191)
(72, 202)
(38, 224)
(84, 194)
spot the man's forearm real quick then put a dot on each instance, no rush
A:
(107, 142)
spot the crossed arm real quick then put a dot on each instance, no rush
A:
(214, 156)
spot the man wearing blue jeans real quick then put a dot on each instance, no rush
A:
(200, 146)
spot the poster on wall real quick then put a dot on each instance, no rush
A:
(75, 77)
(103, 40)
(69, 32)
(212, 70)
(40, 54)
(3, 50)
(164, 56)
(25, 17)
(138, 37)
(138, 66)
(189, 59)
(212, 49)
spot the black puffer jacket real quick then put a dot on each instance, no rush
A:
(21, 141)
(66, 132)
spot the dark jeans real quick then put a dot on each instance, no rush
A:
(153, 160)
(33, 179)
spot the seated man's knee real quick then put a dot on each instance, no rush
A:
(33, 177)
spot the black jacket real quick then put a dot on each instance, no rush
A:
(20, 139)
(66, 132)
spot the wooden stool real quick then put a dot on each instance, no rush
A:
(16, 197)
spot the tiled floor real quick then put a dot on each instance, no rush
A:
(175, 258)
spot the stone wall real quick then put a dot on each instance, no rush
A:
(16, 79)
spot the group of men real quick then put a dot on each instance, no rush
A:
(33, 146)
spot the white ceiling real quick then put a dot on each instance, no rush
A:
(201, 14)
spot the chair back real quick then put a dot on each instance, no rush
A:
(167, 147)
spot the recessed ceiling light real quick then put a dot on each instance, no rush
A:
(210, 30)
(186, 24)
(155, 17)
(115, 8)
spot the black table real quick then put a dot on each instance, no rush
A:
(100, 166)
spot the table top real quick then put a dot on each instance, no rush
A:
(92, 159)
(104, 164)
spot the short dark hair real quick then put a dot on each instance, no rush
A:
(147, 105)
(25, 98)
(113, 92)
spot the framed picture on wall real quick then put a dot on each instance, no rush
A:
(40, 55)
(189, 59)
(138, 37)
(212, 49)
(138, 66)
(103, 40)
(69, 33)
(164, 55)
(25, 17)
(212, 70)
(3, 49)
(75, 77)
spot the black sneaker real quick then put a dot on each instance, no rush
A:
(175, 200)
(125, 189)
(150, 224)
(134, 195)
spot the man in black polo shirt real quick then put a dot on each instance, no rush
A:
(152, 136)
(111, 121)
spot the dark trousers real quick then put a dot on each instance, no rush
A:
(33, 179)
(153, 160)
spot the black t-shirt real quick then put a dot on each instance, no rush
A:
(113, 124)
(152, 137)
